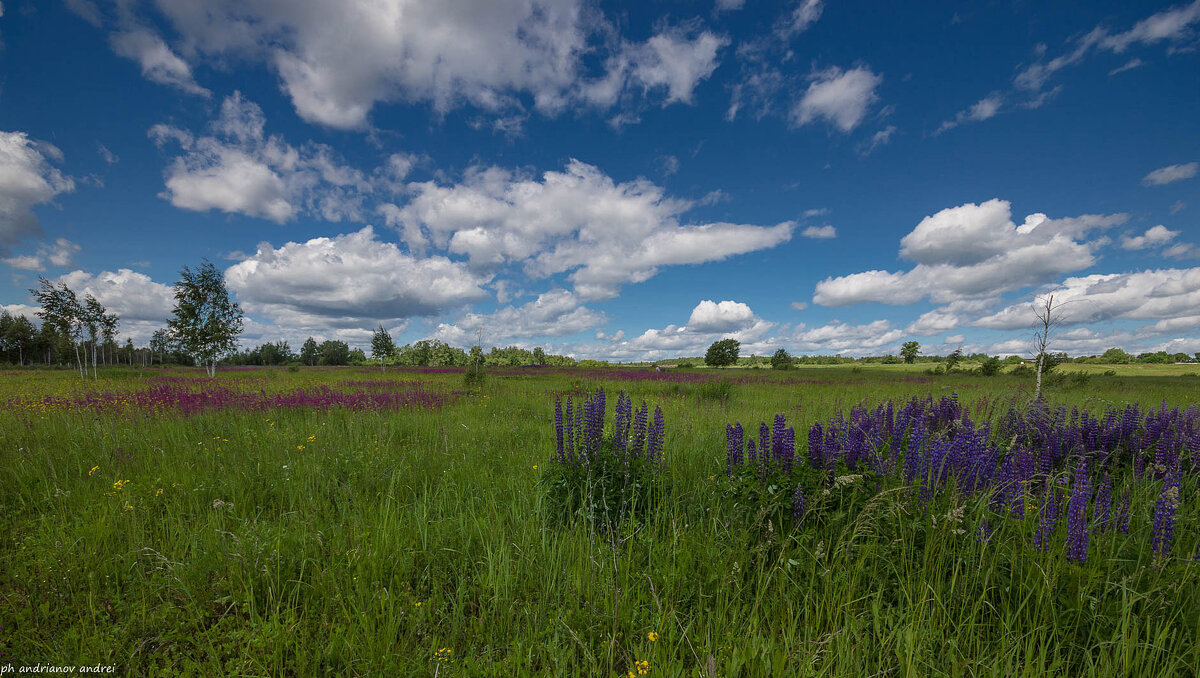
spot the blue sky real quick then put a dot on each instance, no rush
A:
(624, 181)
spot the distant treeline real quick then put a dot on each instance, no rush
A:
(424, 353)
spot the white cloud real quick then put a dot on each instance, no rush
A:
(557, 313)
(159, 64)
(142, 304)
(934, 322)
(803, 15)
(59, 253)
(726, 316)
(881, 138)
(1174, 24)
(1127, 66)
(336, 61)
(1146, 295)
(605, 234)
(238, 169)
(983, 109)
(1153, 237)
(1171, 173)
(348, 279)
(27, 179)
(729, 5)
(844, 338)
(840, 97)
(954, 339)
(974, 251)
(819, 232)
(799, 305)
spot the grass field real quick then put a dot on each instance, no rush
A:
(348, 521)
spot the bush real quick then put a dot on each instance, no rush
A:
(991, 367)
(685, 365)
(474, 377)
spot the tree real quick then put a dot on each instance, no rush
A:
(334, 352)
(539, 356)
(1049, 317)
(205, 322)
(62, 313)
(160, 343)
(722, 353)
(1116, 356)
(382, 345)
(953, 359)
(782, 360)
(309, 353)
(909, 351)
(991, 367)
(19, 335)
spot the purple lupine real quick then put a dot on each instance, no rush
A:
(1077, 528)
(638, 444)
(1163, 531)
(764, 443)
(816, 457)
(1047, 518)
(751, 452)
(621, 422)
(1103, 503)
(789, 449)
(569, 421)
(777, 438)
(654, 445)
(558, 429)
(799, 504)
(733, 448)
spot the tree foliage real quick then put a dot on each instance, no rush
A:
(909, 351)
(782, 360)
(205, 321)
(722, 353)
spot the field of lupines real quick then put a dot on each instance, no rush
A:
(825, 521)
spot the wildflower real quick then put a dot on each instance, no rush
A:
(1077, 532)
(1164, 517)
(653, 636)
(799, 504)
(120, 485)
(300, 447)
(535, 467)
(158, 492)
(643, 667)
(443, 655)
(983, 535)
(310, 439)
(93, 470)
(1047, 519)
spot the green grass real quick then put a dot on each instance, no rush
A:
(392, 535)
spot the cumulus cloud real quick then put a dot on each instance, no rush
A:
(1146, 295)
(974, 251)
(336, 61)
(1171, 173)
(27, 179)
(237, 168)
(349, 277)
(840, 97)
(557, 313)
(820, 232)
(159, 64)
(1153, 237)
(605, 234)
(726, 316)
(142, 304)
(844, 338)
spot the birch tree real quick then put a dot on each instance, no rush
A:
(205, 321)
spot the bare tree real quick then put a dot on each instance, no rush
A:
(1049, 318)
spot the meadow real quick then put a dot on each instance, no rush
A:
(367, 522)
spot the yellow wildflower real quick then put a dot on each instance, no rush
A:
(300, 447)
(653, 636)
(93, 470)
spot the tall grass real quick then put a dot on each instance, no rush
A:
(304, 542)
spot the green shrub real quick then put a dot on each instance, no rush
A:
(991, 367)
(715, 390)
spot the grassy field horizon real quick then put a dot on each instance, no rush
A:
(359, 521)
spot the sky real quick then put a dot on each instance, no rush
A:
(622, 181)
